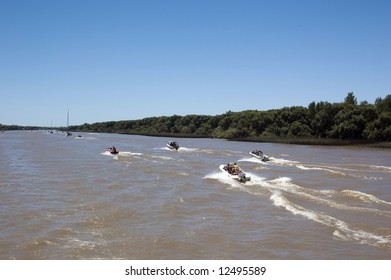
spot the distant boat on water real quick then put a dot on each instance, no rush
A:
(51, 127)
(68, 132)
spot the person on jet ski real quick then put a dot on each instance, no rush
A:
(235, 169)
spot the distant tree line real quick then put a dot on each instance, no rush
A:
(348, 120)
(4, 127)
(320, 122)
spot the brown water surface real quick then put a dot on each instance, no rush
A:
(66, 198)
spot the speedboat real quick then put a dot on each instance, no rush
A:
(259, 155)
(173, 145)
(235, 172)
(113, 150)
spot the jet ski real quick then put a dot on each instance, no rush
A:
(235, 172)
(259, 155)
(113, 150)
(173, 145)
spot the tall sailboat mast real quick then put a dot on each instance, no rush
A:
(68, 133)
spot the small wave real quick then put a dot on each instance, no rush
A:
(218, 176)
(279, 187)
(246, 187)
(107, 153)
(338, 171)
(43, 243)
(253, 160)
(124, 154)
(130, 154)
(363, 237)
(376, 168)
(367, 198)
(166, 149)
(184, 149)
(207, 151)
(342, 229)
(280, 201)
(363, 168)
(323, 196)
(255, 179)
(162, 157)
(363, 177)
(77, 243)
(281, 161)
(320, 169)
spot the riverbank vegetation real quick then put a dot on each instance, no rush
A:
(348, 122)
(345, 123)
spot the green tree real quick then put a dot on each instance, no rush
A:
(350, 100)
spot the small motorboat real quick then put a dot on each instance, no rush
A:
(173, 145)
(113, 150)
(235, 172)
(259, 155)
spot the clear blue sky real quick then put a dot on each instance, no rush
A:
(125, 60)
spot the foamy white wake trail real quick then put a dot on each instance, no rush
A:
(180, 150)
(278, 188)
(342, 229)
(130, 154)
(272, 161)
(162, 157)
(355, 173)
(385, 169)
(187, 150)
(323, 197)
(253, 160)
(367, 198)
(121, 155)
(166, 149)
(280, 161)
(220, 176)
(320, 169)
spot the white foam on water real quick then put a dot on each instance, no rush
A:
(255, 179)
(365, 197)
(253, 160)
(188, 150)
(342, 229)
(107, 153)
(165, 149)
(279, 187)
(223, 178)
(323, 196)
(281, 161)
(355, 173)
(319, 169)
(130, 154)
(163, 157)
(282, 185)
(219, 176)
(77, 243)
(386, 169)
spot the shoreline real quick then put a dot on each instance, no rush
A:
(280, 140)
(275, 140)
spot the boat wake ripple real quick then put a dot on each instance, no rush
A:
(283, 192)
(349, 170)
